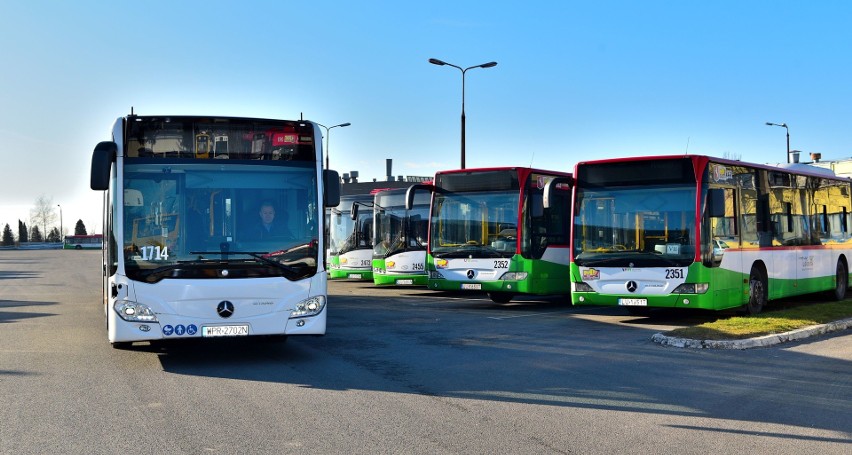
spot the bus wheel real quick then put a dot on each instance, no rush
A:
(500, 297)
(756, 292)
(842, 280)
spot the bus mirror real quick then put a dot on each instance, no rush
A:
(102, 159)
(409, 194)
(551, 186)
(353, 213)
(331, 188)
(716, 203)
(133, 198)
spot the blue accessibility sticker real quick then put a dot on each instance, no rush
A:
(191, 329)
(180, 329)
(168, 330)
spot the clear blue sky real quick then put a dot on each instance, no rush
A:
(574, 81)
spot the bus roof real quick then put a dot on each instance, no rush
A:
(793, 168)
(520, 169)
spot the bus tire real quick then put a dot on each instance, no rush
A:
(841, 280)
(500, 297)
(757, 291)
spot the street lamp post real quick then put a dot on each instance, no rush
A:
(327, 135)
(788, 137)
(435, 61)
(61, 235)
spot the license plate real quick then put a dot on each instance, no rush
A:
(224, 330)
(471, 286)
(633, 302)
(404, 281)
(354, 276)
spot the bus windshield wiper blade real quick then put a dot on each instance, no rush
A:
(260, 256)
(145, 273)
(470, 251)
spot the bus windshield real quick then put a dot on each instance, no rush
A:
(479, 223)
(346, 234)
(396, 229)
(633, 226)
(186, 218)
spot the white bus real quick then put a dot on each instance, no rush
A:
(213, 241)
(83, 242)
(350, 239)
(400, 238)
(692, 231)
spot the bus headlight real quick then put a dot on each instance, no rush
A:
(309, 307)
(134, 312)
(514, 276)
(580, 286)
(692, 288)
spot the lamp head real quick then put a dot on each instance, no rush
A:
(435, 61)
(488, 65)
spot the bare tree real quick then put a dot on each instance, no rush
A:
(42, 214)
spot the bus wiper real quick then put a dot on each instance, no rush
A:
(260, 256)
(476, 251)
(599, 261)
(176, 266)
(402, 244)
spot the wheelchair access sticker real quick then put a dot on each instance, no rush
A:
(180, 330)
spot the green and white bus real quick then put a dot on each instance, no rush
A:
(491, 230)
(399, 236)
(350, 254)
(83, 242)
(212, 238)
(709, 233)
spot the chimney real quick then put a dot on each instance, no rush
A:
(794, 156)
(815, 157)
(354, 175)
(388, 169)
(345, 177)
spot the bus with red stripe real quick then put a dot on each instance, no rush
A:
(709, 233)
(503, 231)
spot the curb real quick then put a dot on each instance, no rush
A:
(758, 342)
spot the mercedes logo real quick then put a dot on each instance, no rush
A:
(225, 309)
(632, 286)
(470, 274)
